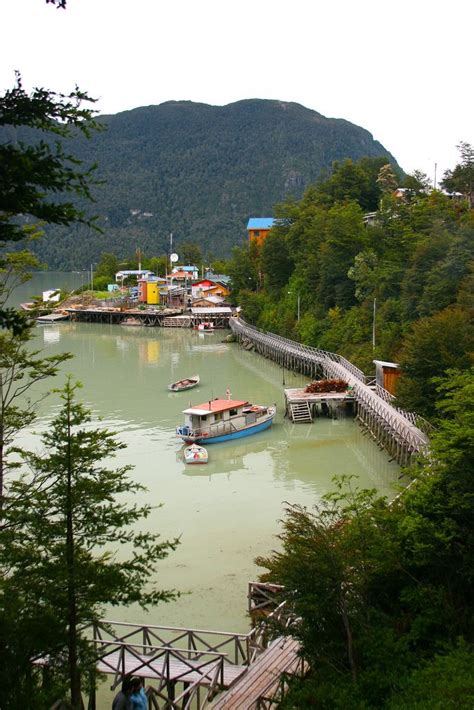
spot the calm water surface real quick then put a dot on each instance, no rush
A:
(227, 512)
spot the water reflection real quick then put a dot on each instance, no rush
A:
(226, 457)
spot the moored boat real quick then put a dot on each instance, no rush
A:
(185, 384)
(195, 454)
(224, 419)
(206, 327)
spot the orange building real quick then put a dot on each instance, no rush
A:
(258, 228)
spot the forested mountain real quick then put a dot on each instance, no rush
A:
(199, 171)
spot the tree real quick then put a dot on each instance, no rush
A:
(244, 269)
(64, 515)
(386, 179)
(434, 344)
(37, 172)
(190, 253)
(32, 174)
(417, 183)
(276, 261)
(14, 270)
(21, 368)
(157, 264)
(461, 179)
(108, 266)
(353, 182)
(329, 561)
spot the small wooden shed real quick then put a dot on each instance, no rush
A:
(387, 374)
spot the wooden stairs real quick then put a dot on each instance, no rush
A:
(301, 412)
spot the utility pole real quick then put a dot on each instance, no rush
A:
(373, 324)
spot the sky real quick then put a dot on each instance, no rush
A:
(400, 69)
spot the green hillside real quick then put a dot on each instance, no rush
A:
(200, 171)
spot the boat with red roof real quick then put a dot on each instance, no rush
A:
(224, 419)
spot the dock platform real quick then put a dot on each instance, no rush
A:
(301, 406)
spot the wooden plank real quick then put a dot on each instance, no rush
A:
(263, 675)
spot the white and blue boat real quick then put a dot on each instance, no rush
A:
(224, 419)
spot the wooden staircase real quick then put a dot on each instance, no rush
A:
(301, 412)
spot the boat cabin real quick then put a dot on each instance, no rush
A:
(204, 416)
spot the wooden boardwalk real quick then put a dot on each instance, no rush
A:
(403, 434)
(188, 667)
(260, 685)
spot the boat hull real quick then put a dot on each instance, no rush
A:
(195, 454)
(180, 387)
(238, 434)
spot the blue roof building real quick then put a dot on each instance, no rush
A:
(258, 228)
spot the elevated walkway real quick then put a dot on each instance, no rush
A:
(260, 685)
(402, 433)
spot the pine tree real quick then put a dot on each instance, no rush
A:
(64, 523)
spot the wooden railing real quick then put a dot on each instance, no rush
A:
(403, 433)
(195, 641)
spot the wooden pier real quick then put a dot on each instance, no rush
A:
(403, 434)
(116, 316)
(151, 317)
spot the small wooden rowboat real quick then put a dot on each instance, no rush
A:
(195, 454)
(185, 384)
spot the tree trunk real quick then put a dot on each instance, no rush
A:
(349, 640)
(74, 675)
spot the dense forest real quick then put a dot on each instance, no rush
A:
(398, 288)
(197, 171)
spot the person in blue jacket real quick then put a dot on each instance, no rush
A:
(138, 697)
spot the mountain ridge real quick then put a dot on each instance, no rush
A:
(200, 171)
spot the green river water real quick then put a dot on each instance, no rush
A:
(227, 512)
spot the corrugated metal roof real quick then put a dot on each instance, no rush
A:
(260, 223)
(209, 311)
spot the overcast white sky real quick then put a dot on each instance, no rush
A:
(403, 70)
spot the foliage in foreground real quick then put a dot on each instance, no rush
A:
(39, 178)
(63, 522)
(385, 592)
